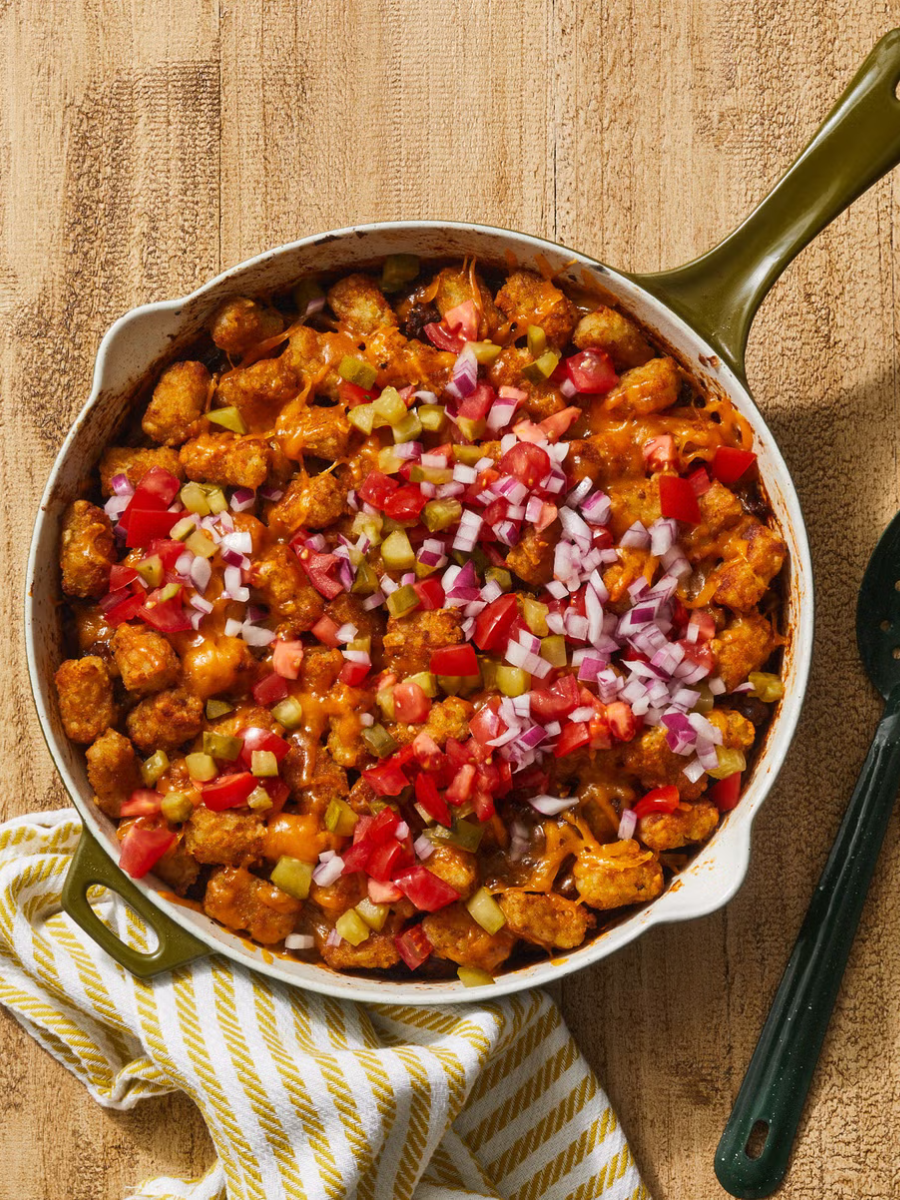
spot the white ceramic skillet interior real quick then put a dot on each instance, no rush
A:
(145, 339)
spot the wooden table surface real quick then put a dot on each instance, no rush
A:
(145, 145)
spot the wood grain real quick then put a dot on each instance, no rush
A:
(145, 145)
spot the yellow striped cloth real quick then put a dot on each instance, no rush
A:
(306, 1097)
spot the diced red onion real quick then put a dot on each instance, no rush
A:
(270, 493)
(597, 508)
(685, 698)
(374, 600)
(662, 535)
(200, 572)
(550, 806)
(407, 449)
(121, 485)
(358, 656)
(693, 770)
(584, 713)
(501, 414)
(232, 627)
(202, 605)
(468, 531)
(299, 941)
(329, 872)
(256, 635)
(627, 825)
(425, 396)
(334, 938)
(465, 371)
(182, 564)
(716, 685)
(558, 590)
(242, 499)
(424, 847)
(115, 506)
(240, 540)
(346, 632)
(568, 389)
(635, 536)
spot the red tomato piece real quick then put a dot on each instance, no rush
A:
(460, 788)
(319, 568)
(622, 721)
(270, 690)
(146, 524)
(426, 891)
(413, 945)
(278, 793)
(411, 705)
(168, 616)
(484, 805)
(382, 826)
(158, 487)
(120, 576)
(376, 488)
(492, 627)
(477, 406)
(143, 848)
(125, 610)
(700, 481)
(574, 735)
(287, 658)
(557, 701)
(228, 791)
(699, 653)
(383, 893)
(678, 499)
(167, 549)
(659, 452)
(387, 779)
(430, 592)
(659, 800)
(256, 738)
(486, 724)
(705, 624)
(454, 660)
(429, 798)
(442, 338)
(592, 372)
(556, 424)
(356, 857)
(325, 629)
(143, 802)
(730, 463)
(353, 673)
(463, 319)
(725, 793)
(526, 462)
(384, 860)
(353, 395)
(405, 504)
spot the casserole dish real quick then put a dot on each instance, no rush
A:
(700, 313)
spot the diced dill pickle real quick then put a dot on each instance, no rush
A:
(471, 429)
(363, 417)
(288, 712)
(730, 762)
(542, 368)
(222, 746)
(512, 681)
(340, 818)
(535, 615)
(553, 649)
(354, 370)
(422, 571)
(378, 740)
(396, 551)
(154, 767)
(488, 672)
(398, 269)
(352, 928)
(474, 977)
(426, 681)
(182, 528)
(366, 581)
(465, 834)
(306, 290)
(150, 570)
(484, 909)
(263, 764)
(217, 708)
(500, 576)
(485, 352)
(536, 341)
(467, 454)
(435, 475)
(441, 514)
(403, 601)
(374, 915)
(707, 699)
(389, 408)
(169, 592)
(228, 418)
(362, 641)
(388, 461)
(384, 698)
(259, 800)
(432, 416)
(176, 807)
(408, 429)
(201, 767)
(217, 500)
(201, 543)
(293, 876)
(766, 686)
(193, 497)
(369, 524)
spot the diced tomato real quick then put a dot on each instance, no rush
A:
(705, 624)
(143, 848)
(228, 791)
(270, 690)
(356, 857)
(598, 726)
(429, 798)
(287, 658)
(411, 705)
(557, 701)
(319, 568)
(125, 610)
(384, 860)
(387, 779)
(592, 372)
(111, 599)
(486, 724)
(526, 462)
(121, 575)
(700, 481)
(426, 891)
(143, 802)
(660, 800)
(256, 738)
(383, 893)
(442, 338)
(168, 616)
(405, 504)
(430, 592)
(725, 793)
(573, 737)
(678, 499)
(166, 549)
(730, 463)
(463, 319)
(454, 660)
(278, 793)
(382, 826)
(158, 487)
(622, 721)
(353, 395)
(376, 488)
(146, 524)
(460, 788)
(659, 452)
(699, 653)
(484, 805)
(325, 629)
(492, 625)
(477, 406)
(412, 945)
(556, 424)
(353, 673)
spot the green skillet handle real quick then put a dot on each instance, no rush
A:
(859, 141)
(91, 865)
(777, 1080)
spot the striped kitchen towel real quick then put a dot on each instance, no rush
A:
(306, 1097)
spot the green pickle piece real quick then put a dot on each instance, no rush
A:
(398, 270)
(378, 740)
(229, 418)
(293, 876)
(355, 370)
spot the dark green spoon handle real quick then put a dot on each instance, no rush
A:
(777, 1080)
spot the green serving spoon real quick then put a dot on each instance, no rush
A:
(752, 1156)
